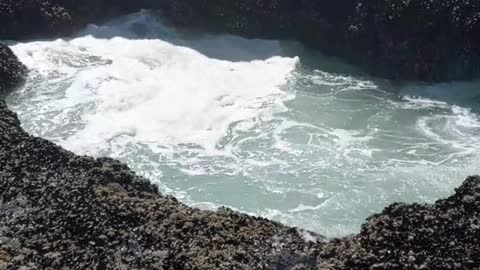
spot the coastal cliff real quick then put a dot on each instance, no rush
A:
(11, 70)
(59, 210)
(406, 40)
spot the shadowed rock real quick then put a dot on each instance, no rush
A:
(11, 70)
(417, 39)
(439, 236)
(63, 211)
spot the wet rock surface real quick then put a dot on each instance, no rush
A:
(416, 39)
(11, 70)
(412, 40)
(444, 235)
(63, 211)
(24, 19)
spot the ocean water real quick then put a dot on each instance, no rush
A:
(265, 127)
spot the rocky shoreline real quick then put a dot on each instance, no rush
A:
(12, 71)
(63, 211)
(406, 40)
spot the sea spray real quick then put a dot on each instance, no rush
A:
(222, 120)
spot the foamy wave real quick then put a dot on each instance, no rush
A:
(222, 120)
(158, 92)
(420, 103)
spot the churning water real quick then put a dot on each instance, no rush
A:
(221, 120)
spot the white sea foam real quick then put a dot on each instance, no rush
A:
(222, 120)
(422, 103)
(157, 92)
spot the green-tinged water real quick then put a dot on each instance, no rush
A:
(220, 120)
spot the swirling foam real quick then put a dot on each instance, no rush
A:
(222, 120)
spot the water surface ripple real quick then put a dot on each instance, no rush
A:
(221, 120)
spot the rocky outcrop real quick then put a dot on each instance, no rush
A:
(62, 211)
(440, 236)
(11, 70)
(27, 19)
(415, 39)
(24, 19)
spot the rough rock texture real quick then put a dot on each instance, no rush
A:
(414, 39)
(20, 19)
(63, 211)
(26, 19)
(445, 235)
(11, 70)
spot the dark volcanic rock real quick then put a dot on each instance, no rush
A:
(414, 39)
(26, 19)
(441, 236)
(11, 70)
(60, 210)
(20, 19)
(63, 211)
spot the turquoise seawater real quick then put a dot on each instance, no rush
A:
(265, 127)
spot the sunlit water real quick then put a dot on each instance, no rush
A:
(220, 120)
